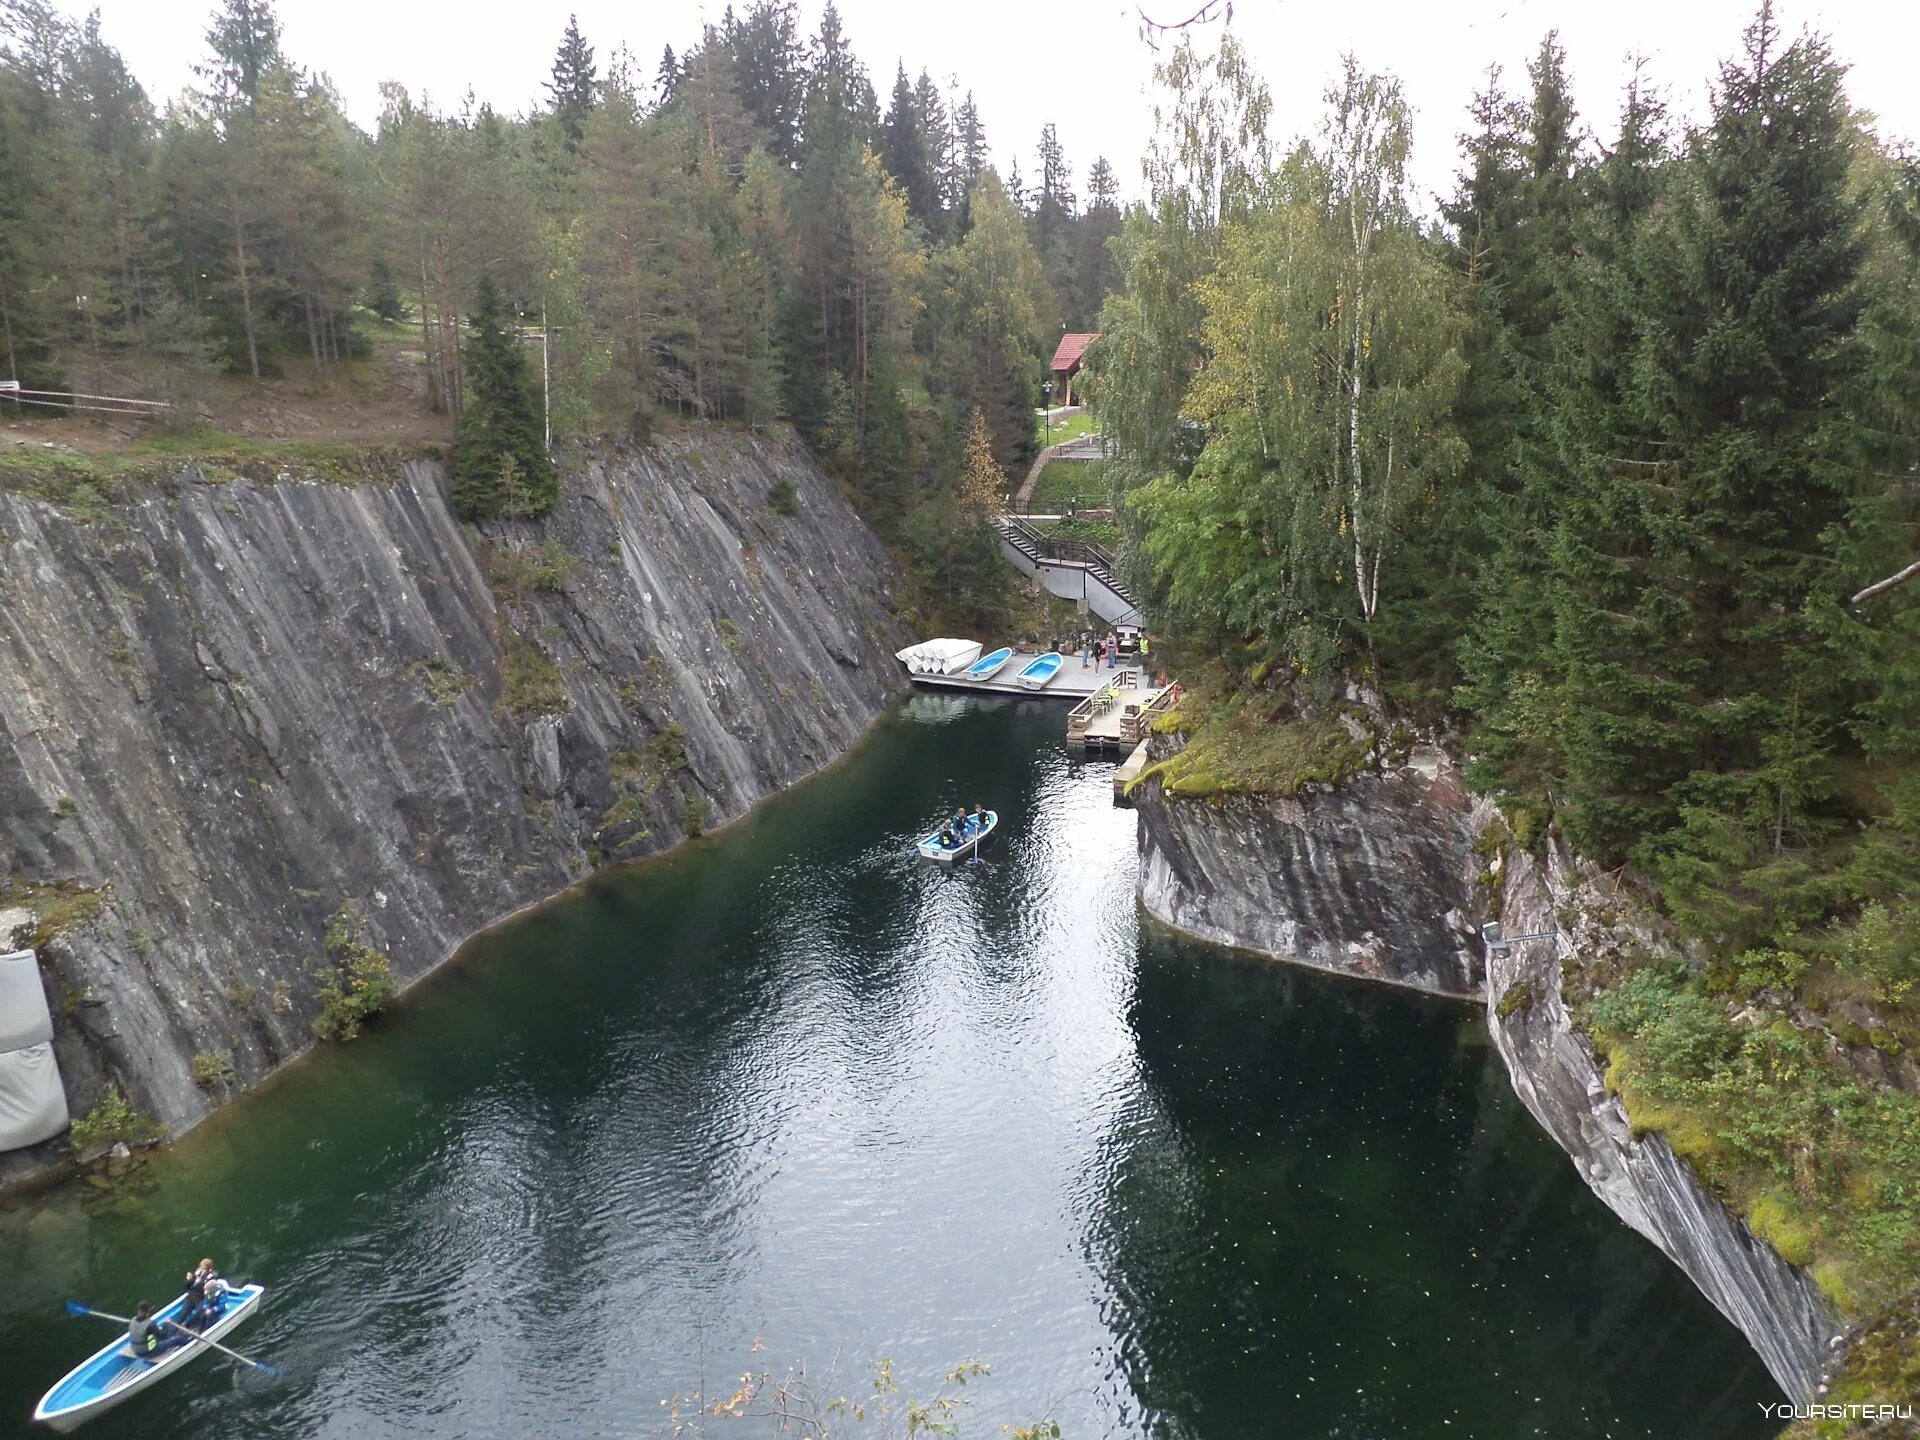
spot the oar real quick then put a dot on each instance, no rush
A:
(74, 1307)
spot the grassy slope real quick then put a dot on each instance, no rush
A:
(1253, 742)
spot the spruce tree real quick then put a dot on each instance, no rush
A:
(245, 40)
(903, 143)
(1737, 471)
(500, 464)
(571, 84)
(769, 63)
(667, 77)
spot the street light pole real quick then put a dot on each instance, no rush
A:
(1046, 410)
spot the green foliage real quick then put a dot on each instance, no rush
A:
(357, 985)
(638, 773)
(1819, 1161)
(1255, 742)
(513, 573)
(57, 906)
(783, 498)
(444, 683)
(112, 1118)
(695, 820)
(211, 1069)
(1881, 1368)
(530, 683)
(1334, 363)
(952, 560)
(1518, 998)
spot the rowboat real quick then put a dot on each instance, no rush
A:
(114, 1372)
(932, 849)
(987, 665)
(1039, 671)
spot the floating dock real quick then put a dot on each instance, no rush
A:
(1070, 683)
(1116, 717)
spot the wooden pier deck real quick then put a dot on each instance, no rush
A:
(1116, 717)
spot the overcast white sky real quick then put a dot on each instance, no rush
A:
(1078, 63)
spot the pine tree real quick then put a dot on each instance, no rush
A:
(570, 86)
(500, 464)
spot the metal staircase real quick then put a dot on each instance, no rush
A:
(1039, 550)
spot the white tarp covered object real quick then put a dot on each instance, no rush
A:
(33, 1102)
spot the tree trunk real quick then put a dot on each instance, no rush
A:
(1354, 481)
(246, 289)
(436, 401)
(6, 332)
(313, 334)
(449, 323)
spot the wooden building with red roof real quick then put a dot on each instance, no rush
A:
(1066, 363)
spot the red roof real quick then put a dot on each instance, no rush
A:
(1072, 347)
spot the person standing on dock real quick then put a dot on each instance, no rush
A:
(1086, 643)
(1099, 653)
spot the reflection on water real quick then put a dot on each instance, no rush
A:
(792, 1086)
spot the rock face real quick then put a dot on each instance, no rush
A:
(1371, 879)
(1775, 1305)
(230, 710)
(1380, 879)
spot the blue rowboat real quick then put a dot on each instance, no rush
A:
(985, 667)
(1039, 671)
(932, 849)
(114, 1372)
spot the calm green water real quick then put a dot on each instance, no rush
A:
(792, 1087)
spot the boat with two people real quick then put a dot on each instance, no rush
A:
(114, 1372)
(960, 836)
(1038, 672)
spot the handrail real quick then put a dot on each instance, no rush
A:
(1074, 552)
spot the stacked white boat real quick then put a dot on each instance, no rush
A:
(939, 657)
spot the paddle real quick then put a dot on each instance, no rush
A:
(74, 1307)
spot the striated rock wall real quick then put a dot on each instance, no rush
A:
(1775, 1305)
(1380, 879)
(1372, 879)
(229, 709)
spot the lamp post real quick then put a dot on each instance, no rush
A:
(1046, 409)
(1499, 943)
